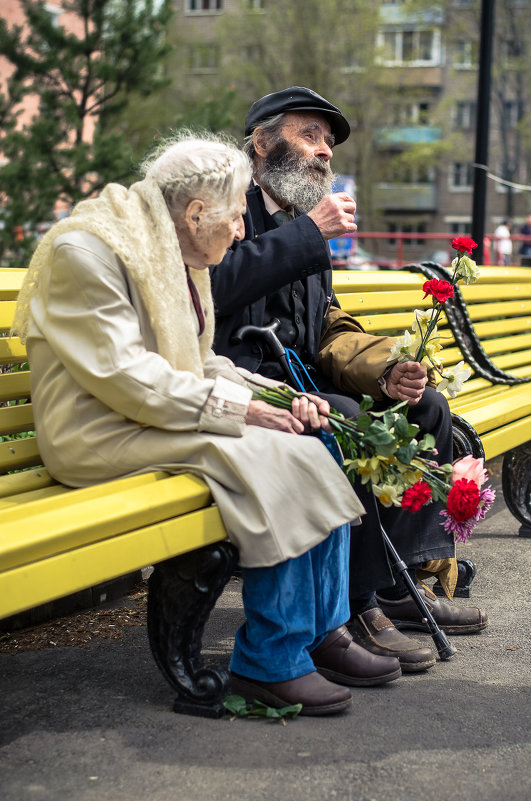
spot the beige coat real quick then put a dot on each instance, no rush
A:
(108, 405)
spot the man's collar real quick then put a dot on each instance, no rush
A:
(270, 204)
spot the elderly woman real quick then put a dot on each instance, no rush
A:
(118, 317)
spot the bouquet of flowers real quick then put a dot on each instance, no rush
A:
(422, 344)
(382, 448)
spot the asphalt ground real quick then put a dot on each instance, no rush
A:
(93, 721)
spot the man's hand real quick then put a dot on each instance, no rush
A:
(407, 381)
(334, 215)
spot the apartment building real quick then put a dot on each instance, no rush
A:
(424, 146)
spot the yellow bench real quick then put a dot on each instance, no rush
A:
(491, 334)
(55, 540)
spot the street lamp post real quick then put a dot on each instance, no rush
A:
(479, 198)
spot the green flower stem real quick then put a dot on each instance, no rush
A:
(437, 307)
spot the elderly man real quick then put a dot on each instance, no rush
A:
(282, 270)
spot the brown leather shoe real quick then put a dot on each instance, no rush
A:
(339, 659)
(317, 695)
(375, 632)
(451, 619)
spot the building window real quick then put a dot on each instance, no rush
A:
(410, 47)
(464, 114)
(407, 228)
(461, 176)
(460, 227)
(409, 114)
(203, 58)
(510, 113)
(203, 6)
(464, 58)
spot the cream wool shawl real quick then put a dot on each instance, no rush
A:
(135, 223)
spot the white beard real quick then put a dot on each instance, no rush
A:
(292, 181)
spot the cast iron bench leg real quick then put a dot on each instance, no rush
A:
(182, 593)
(516, 484)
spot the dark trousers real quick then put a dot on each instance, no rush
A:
(417, 537)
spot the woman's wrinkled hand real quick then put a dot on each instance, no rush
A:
(308, 413)
(313, 412)
(263, 414)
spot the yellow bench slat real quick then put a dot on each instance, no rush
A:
(73, 520)
(475, 293)
(14, 386)
(505, 439)
(508, 308)
(7, 312)
(11, 280)
(506, 326)
(375, 280)
(18, 453)
(382, 302)
(507, 344)
(47, 579)
(26, 492)
(25, 481)
(12, 351)
(506, 409)
(14, 419)
(23, 498)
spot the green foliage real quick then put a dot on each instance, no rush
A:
(83, 79)
(239, 707)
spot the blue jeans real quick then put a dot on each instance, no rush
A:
(290, 608)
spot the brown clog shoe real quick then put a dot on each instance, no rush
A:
(339, 659)
(451, 618)
(375, 632)
(317, 695)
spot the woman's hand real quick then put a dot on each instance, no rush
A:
(263, 414)
(407, 381)
(313, 412)
(307, 414)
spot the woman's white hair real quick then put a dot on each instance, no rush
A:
(191, 166)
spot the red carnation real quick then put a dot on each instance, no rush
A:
(441, 290)
(463, 500)
(416, 496)
(464, 244)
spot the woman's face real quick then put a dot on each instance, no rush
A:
(206, 242)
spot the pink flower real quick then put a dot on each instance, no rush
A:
(471, 469)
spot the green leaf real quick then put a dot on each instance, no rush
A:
(402, 427)
(407, 452)
(236, 704)
(366, 403)
(241, 708)
(364, 422)
(427, 443)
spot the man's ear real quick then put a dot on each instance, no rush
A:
(260, 142)
(193, 214)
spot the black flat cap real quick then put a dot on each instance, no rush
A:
(297, 98)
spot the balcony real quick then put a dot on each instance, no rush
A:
(407, 135)
(406, 197)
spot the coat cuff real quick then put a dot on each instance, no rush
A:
(226, 408)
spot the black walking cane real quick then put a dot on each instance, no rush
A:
(268, 334)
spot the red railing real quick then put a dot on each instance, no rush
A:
(489, 255)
